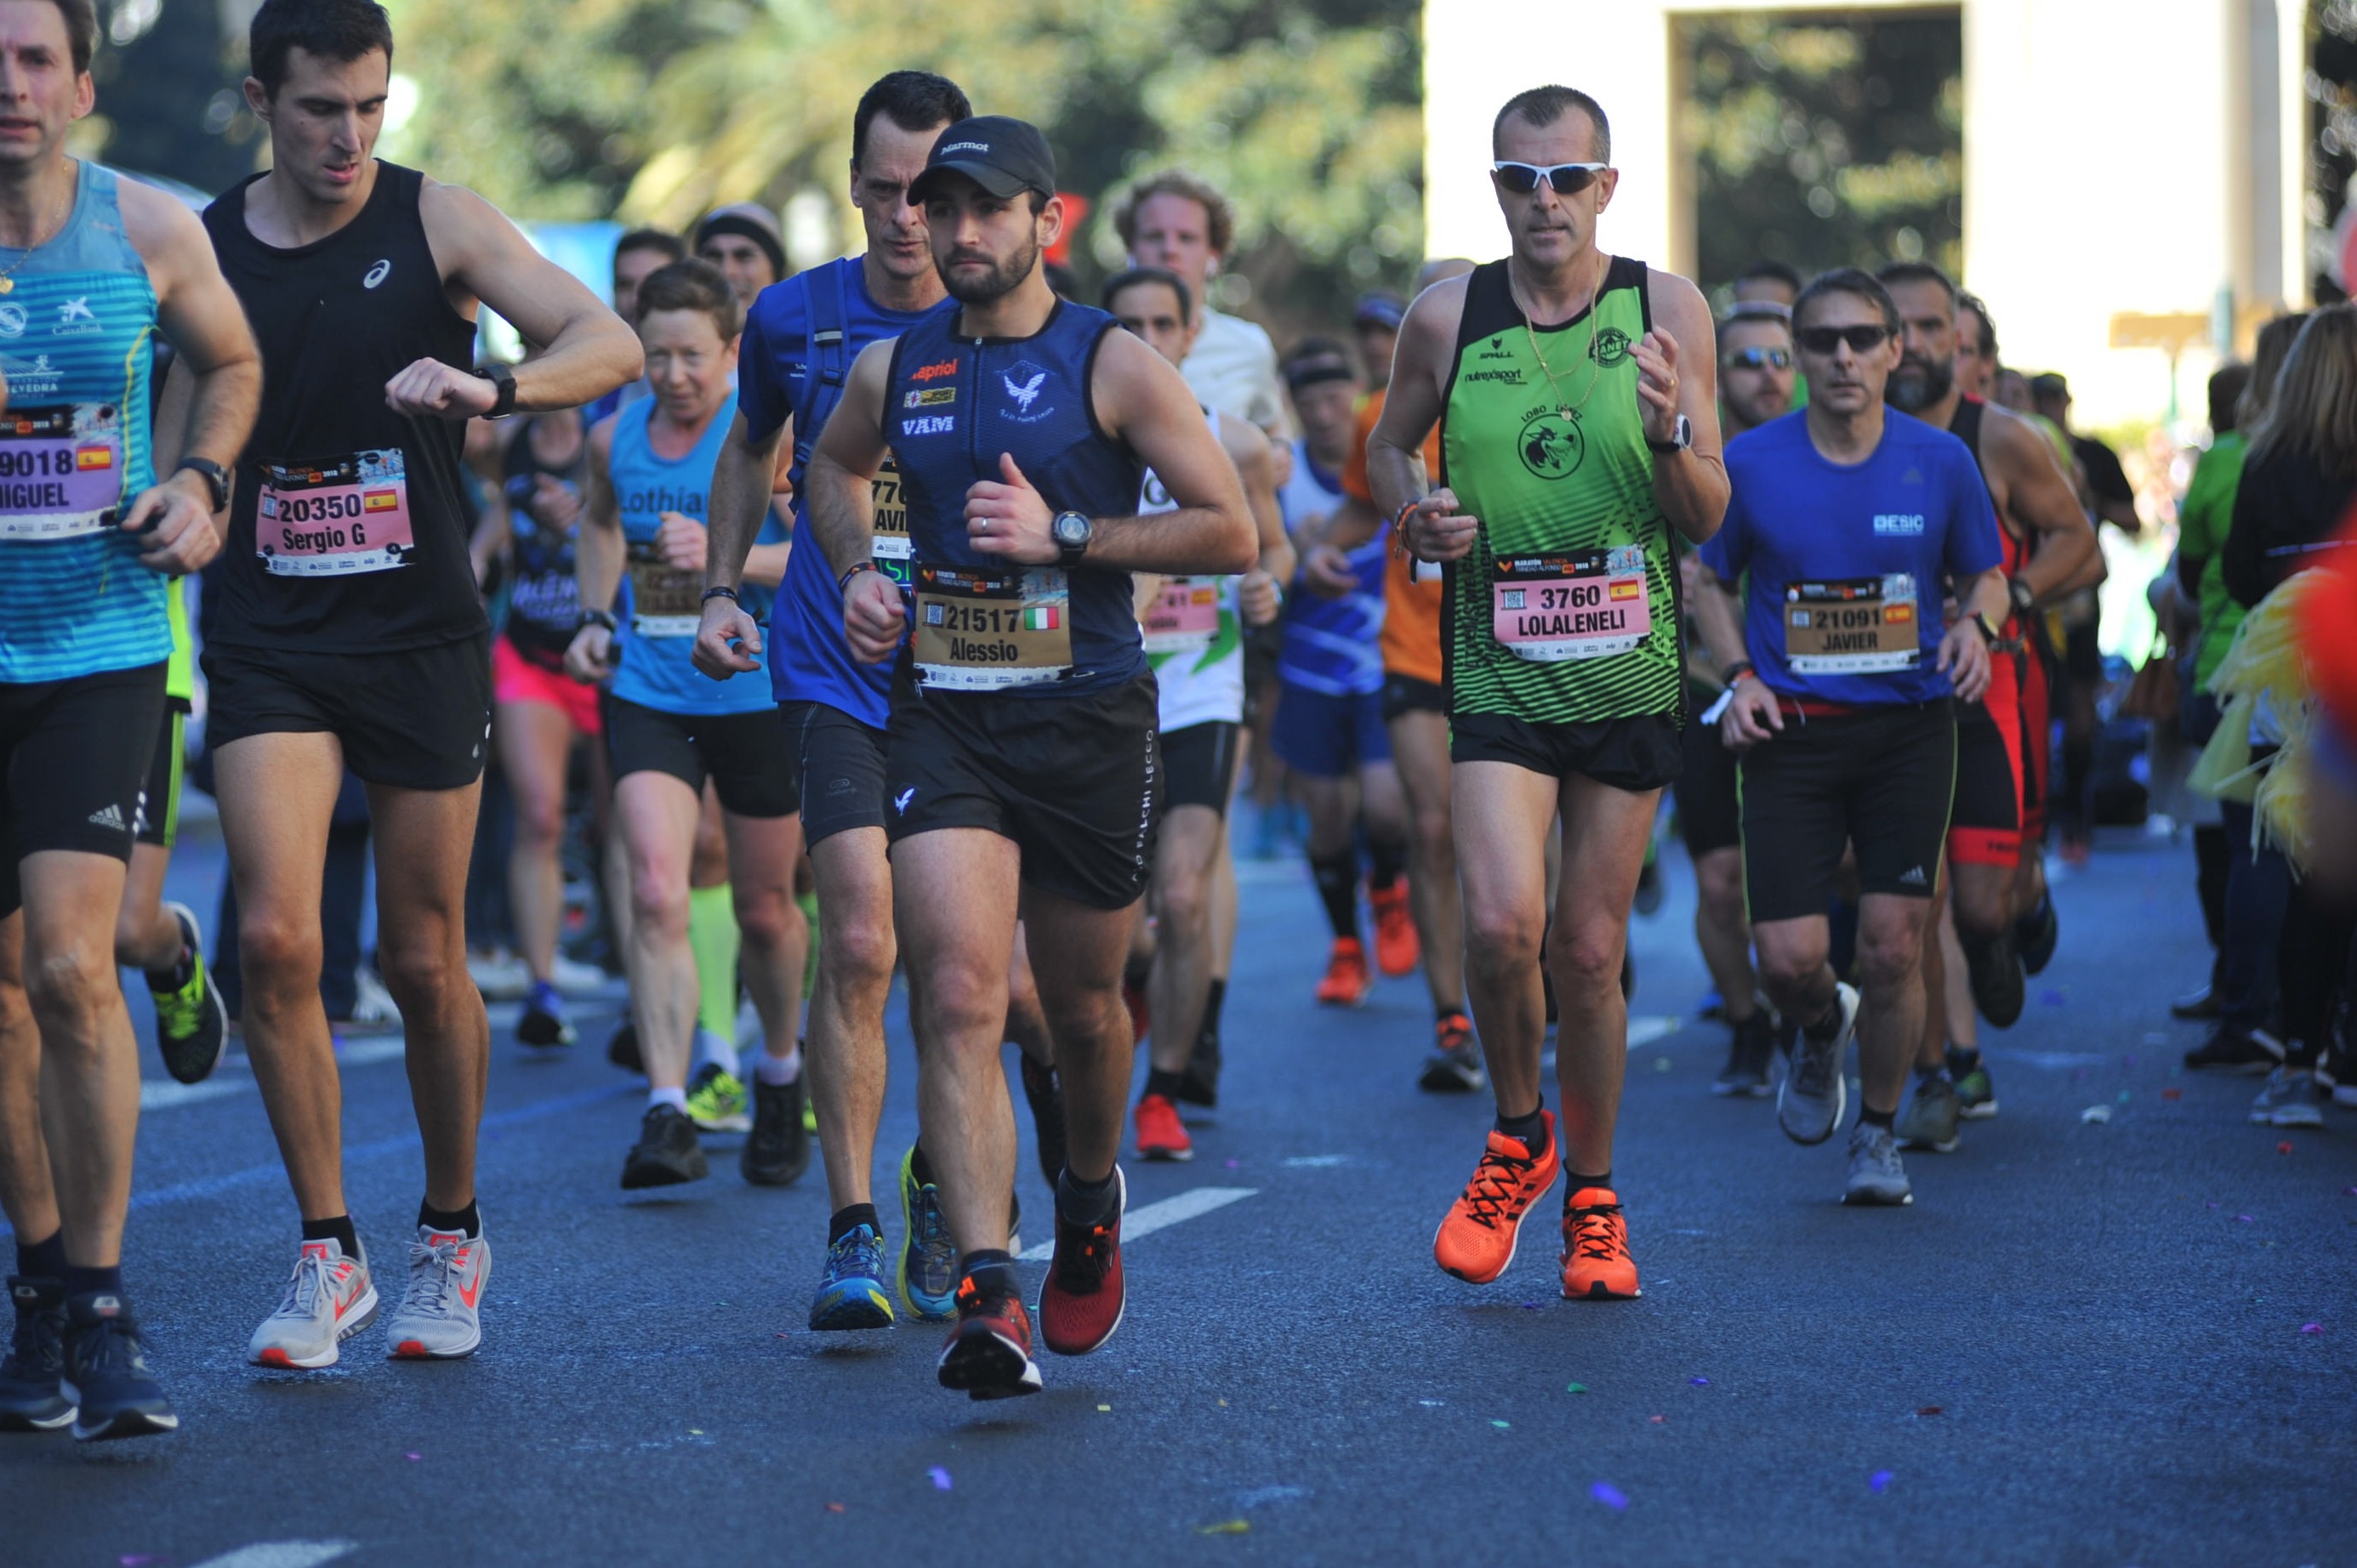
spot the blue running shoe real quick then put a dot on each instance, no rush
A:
(851, 1292)
(929, 1276)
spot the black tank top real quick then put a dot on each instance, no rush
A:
(543, 598)
(349, 531)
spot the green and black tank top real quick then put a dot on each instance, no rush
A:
(1565, 611)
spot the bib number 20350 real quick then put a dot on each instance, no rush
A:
(979, 630)
(336, 517)
(1549, 608)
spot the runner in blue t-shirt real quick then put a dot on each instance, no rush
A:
(1854, 521)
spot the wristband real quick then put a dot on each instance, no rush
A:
(1737, 671)
(1988, 632)
(857, 568)
(597, 618)
(729, 593)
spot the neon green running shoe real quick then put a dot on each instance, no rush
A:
(716, 1102)
(191, 1024)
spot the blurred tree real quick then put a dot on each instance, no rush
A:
(1307, 112)
(2331, 86)
(168, 99)
(1826, 140)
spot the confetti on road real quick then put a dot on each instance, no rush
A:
(2311, 1328)
(1930, 1410)
(1574, 1388)
(1880, 1480)
(2096, 1113)
(1610, 1496)
(1230, 1526)
(834, 1507)
(414, 1457)
(1699, 1382)
(1105, 1409)
(1502, 1425)
(940, 1478)
(1661, 1421)
(1661, 1064)
(2172, 1094)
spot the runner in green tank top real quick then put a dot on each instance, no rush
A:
(1571, 447)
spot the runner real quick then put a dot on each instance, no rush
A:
(836, 705)
(88, 564)
(1975, 348)
(343, 630)
(1374, 330)
(1845, 515)
(2048, 547)
(1569, 454)
(1194, 641)
(670, 730)
(1765, 287)
(1755, 386)
(1021, 746)
(636, 254)
(744, 241)
(1175, 221)
(1330, 713)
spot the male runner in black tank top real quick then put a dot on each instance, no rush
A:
(2041, 521)
(345, 631)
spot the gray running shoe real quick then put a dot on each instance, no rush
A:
(1809, 1104)
(2289, 1099)
(1929, 1119)
(330, 1298)
(1876, 1176)
(439, 1318)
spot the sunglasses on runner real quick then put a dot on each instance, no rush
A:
(1862, 339)
(1568, 179)
(1757, 359)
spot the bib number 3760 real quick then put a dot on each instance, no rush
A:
(1550, 608)
(335, 517)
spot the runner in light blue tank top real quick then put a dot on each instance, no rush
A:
(75, 331)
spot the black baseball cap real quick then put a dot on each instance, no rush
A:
(1001, 155)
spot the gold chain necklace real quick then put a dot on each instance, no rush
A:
(1568, 412)
(8, 274)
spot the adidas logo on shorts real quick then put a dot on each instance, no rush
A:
(111, 817)
(1914, 877)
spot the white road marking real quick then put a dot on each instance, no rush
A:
(283, 1554)
(1159, 1216)
(1645, 1031)
(234, 1076)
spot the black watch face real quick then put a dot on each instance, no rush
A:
(1072, 529)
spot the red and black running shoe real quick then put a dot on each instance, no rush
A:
(1080, 1301)
(988, 1354)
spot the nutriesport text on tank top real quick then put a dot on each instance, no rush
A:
(348, 533)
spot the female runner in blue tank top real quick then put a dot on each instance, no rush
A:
(669, 727)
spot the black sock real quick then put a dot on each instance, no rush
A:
(1444, 1010)
(992, 1270)
(466, 1221)
(1083, 1203)
(1962, 1059)
(1212, 1000)
(1167, 1084)
(1578, 1183)
(1386, 858)
(94, 1282)
(1531, 1129)
(1826, 1028)
(339, 1229)
(42, 1259)
(1337, 888)
(173, 975)
(1886, 1119)
(1136, 970)
(851, 1218)
(919, 1167)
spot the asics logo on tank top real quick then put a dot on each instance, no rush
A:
(376, 274)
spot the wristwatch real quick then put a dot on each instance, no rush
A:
(1681, 437)
(1071, 531)
(502, 377)
(2023, 596)
(598, 618)
(216, 477)
(1988, 632)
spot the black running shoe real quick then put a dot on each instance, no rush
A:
(622, 1050)
(1753, 1047)
(2230, 1050)
(1199, 1084)
(1455, 1066)
(1046, 1093)
(1995, 969)
(777, 1151)
(2036, 933)
(2200, 1006)
(667, 1152)
(543, 1024)
(106, 1372)
(30, 1400)
(988, 1354)
(191, 1024)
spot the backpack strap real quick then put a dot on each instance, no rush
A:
(829, 366)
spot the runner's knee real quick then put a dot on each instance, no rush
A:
(67, 989)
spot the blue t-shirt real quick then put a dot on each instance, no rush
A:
(660, 605)
(809, 660)
(1331, 645)
(1848, 564)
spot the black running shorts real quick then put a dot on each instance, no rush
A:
(1075, 782)
(841, 763)
(1634, 753)
(1880, 777)
(419, 718)
(159, 799)
(73, 756)
(1984, 824)
(1710, 813)
(1199, 765)
(749, 758)
(1406, 695)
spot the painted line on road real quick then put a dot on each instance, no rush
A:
(1159, 1216)
(283, 1554)
(1645, 1031)
(164, 1094)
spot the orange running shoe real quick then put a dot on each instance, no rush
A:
(1396, 949)
(1475, 1242)
(1160, 1134)
(1595, 1262)
(1347, 981)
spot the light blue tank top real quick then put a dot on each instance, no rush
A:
(661, 606)
(75, 344)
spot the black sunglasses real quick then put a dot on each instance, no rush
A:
(1568, 179)
(1757, 359)
(1863, 340)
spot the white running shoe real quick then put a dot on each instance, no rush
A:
(330, 1298)
(439, 1318)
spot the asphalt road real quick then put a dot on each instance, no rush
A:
(2085, 1342)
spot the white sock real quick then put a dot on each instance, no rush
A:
(711, 1048)
(779, 1069)
(674, 1097)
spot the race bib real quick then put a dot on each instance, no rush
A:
(60, 470)
(1856, 626)
(1183, 617)
(334, 517)
(1549, 608)
(893, 553)
(984, 628)
(665, 601)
